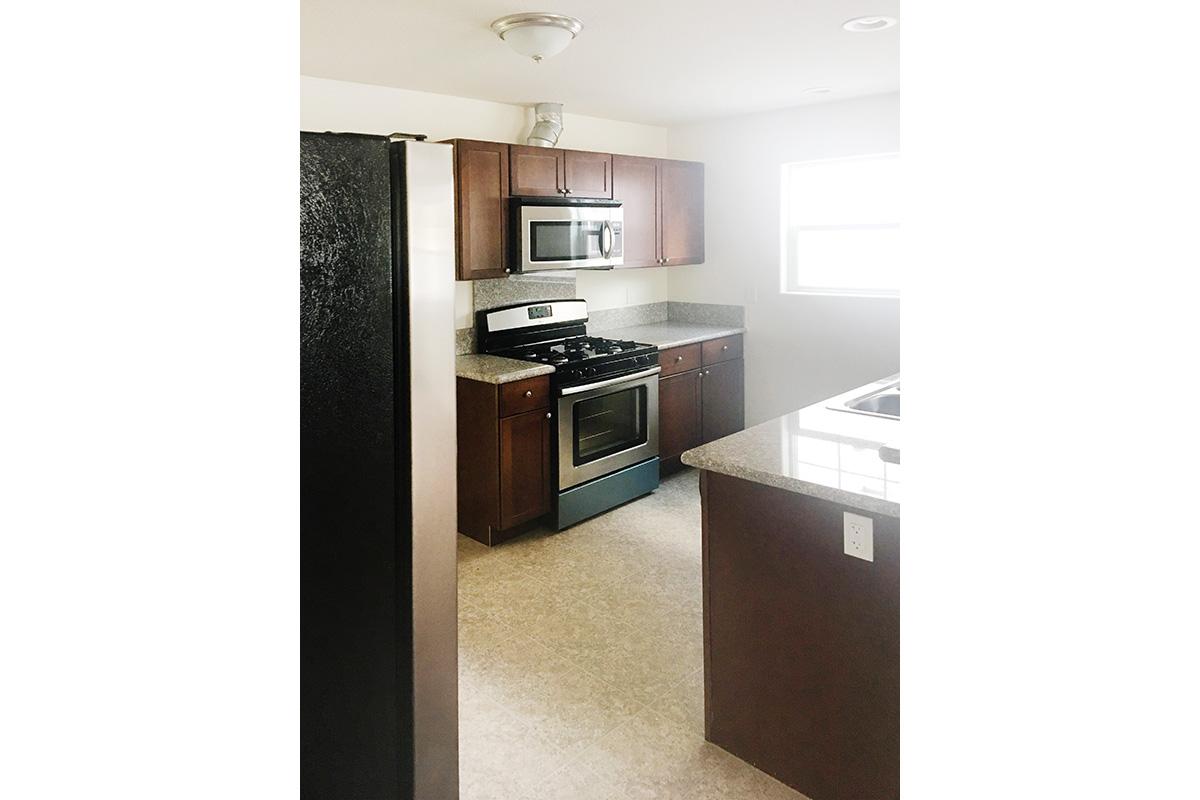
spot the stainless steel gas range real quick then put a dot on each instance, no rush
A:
(607, 402)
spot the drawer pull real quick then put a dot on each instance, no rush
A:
(678, 359)
(547, 415)
(529, 394)
(724, 347)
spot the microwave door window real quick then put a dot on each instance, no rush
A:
(564, 240)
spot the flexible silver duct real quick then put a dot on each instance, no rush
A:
(547, 125)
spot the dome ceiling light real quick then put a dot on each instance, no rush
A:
(537, 35)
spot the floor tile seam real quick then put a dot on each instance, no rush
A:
(527, 728)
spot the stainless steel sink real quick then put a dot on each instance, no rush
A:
(883, 402)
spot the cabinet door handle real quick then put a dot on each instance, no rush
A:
(665, 260)
(529, 394)
(547, 415)
(678, 359)
(566, 191)
(724, 347)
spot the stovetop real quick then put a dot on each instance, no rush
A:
(576, 348)
(584, 359)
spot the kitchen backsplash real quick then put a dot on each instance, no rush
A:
(529, 288)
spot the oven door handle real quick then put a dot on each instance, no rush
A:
(610, 382)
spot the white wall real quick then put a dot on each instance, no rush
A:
(799, 348)
(328, 105)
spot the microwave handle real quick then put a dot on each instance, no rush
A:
(606, 239)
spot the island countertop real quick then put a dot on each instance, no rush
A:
(817, 451)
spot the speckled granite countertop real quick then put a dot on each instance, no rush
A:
(671, 334)
(494, 369)
(816, 451)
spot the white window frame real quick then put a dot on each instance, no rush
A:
(786, 231)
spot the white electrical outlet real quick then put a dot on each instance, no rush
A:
(858, 536)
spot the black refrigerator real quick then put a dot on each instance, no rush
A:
(378, 640)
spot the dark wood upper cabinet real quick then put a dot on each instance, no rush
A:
(635, 184)
(662, 200)
(524, 467)
(481, 197)
(588, 174)
(723, 399)
(681, 197)
(536, 171)
(678, 414)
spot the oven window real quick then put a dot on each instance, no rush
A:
(564, 240)
(609, 424)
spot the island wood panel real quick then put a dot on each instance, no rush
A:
(681, 193)
(535, 171)
(635, 184)
(481, 199)
(723, 399)
(588, 174)
(801, 642)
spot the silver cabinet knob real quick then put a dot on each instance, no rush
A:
(724, 347)
(678, 359)
(566, 191)
(665, 260)
(508, 270)
(529, 394)
(547, 415)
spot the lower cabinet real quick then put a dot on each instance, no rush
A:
(504, 436)
(679, 417)
(524, 467)
(701, 396)
(723, 400)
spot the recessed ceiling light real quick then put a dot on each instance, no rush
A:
(817, 90)
(867, 24)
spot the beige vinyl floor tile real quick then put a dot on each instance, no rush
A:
(581, 662)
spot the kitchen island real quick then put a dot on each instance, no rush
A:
(801, 624)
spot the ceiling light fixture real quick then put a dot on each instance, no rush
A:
(537, 35)
(868, 24)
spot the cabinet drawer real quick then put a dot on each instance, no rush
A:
(521, 396)
(724, 349)
(679, 359)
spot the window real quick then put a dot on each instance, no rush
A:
(841, 226)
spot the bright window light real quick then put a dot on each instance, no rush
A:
(841, 226)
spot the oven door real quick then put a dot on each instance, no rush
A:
(554, 237)
(606, 426)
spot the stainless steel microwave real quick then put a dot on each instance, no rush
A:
(554, 234)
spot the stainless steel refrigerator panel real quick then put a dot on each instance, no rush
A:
(429, 254)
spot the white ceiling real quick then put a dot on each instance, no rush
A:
(658, 62)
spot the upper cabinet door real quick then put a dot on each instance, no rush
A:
(588, 174)
(536, 171)
(681, 184)
(481, 195)
(635, 184)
